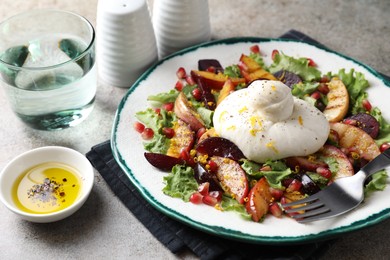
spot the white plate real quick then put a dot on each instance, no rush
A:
(128, 149)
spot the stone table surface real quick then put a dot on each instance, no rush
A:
(103, 227)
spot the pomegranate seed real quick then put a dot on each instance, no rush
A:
(210, 200)
(196, 198)
(196, 93)
(213, 166)
(190, 80)
(211, 69)
(181, 73)
(185, 155)
(367, 105)
(284, 200)
(168, 106)
(204, 188)
(324, 172)
(216, 194)
(168, 132)
(255, 49)
(157, 110)
(323, 88)
(311, 62)
(324, 79)
(275, 210)
(179, 85)
(350, 121)
(295, 185)
(277, 194)
(242, 66)
(384, 147)
(147, 134)
(274, 53)
(139, 127)
(200, 132)
(316, 95)
(286, 182)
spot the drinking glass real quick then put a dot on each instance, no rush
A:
(47, 67)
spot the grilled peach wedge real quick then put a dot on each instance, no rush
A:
(183, 139)
(259, 198)
(338, 101)
(232, 178)
(185, 112)
(345, 168)
(227, 88)
(354, 139)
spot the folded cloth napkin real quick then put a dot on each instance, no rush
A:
(177, 236)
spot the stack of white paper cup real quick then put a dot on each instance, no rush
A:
(126, 45)
(180, 24)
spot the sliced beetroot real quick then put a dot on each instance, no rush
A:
(207, 64)
(202, 176)
(287, 77)
(162, 161)
(364, 121)
(219, 146)
(206, 95)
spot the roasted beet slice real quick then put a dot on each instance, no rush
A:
(287, 77)
(207, 97)
(219, 146)
(162, 161)
(202, 176)
(207, 64)
(366, 122)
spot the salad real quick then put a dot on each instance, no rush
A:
(205, 168)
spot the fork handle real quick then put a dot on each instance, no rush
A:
(378, 163)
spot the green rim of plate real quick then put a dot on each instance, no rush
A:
(225, 232)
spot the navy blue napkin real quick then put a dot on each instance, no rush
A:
(177, 236)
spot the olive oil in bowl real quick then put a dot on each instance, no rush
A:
(47, 188)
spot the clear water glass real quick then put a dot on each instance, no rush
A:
(47, 67)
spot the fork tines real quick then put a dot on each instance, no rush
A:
(307, 209)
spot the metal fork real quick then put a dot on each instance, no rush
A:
(341, 196)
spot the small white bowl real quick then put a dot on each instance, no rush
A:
(21, 163)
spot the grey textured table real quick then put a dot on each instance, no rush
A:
(104, 228)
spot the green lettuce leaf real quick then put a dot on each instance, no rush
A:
(356, 85)
(259, 59)
(229, 204)
(206, 115)
(378, 182)
(180, 183)
(384, 127)
(149, 117)
(232, 71)
(158, 144)
(299, 66)
(279, 171)
(303, 89)
(163, 98)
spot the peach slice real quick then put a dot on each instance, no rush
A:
(232, 178)
(338, 101)
(354, 139)
(259, 198)
(185, 112)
